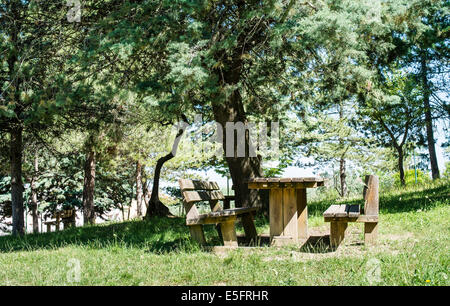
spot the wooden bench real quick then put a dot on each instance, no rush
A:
(340, 215)
(67, 217)
(194, 191)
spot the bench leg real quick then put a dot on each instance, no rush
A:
(219, 231)
(249, 228)
(370, 233)
(337, 233)
(226, 204)
(197, 234)
(49, 228)
(229, 233)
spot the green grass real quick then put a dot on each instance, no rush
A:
(412, 249)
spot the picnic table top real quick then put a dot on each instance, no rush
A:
(285, 182)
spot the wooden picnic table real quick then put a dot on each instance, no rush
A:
(288, 210)
(66, 216)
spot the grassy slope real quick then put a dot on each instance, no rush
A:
(413, 249)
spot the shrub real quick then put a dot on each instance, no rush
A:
(446, 173)
(410, 178)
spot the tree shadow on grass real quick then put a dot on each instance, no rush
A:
(163, 235)
(157, 235)
(317, 244)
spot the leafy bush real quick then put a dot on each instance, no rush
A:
(446, 173)
(410, 178)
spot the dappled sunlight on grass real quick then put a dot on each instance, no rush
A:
(413, 246)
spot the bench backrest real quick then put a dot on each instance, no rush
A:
(194, 191)
(370, 194)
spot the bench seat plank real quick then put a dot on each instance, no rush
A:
(219, 216)
(361, 218)
(331, 211)
(342, 211)
(353, 211)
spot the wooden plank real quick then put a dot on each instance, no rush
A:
(275, 212)
(297, 179)
(297, 183)
(197, 234)
(197, 196)
(341, 212)
(258, 180)
(331, 211)
(237, 211)
(273, 180)
(313, 179)
(266, 185)
(229, 233)
(275, 185)
(361, 219)
(191, 210)
(290, 213)
(302, 214)
(205, 219)
(353, 211)
(307, 185)
(219, 216)
(371, 208)
(186, 184)
(215, 205)
(370, 233)
(285, 180)
(337, 233)
(370, 194)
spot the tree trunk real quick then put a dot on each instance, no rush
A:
(89, 188)
(232, 110)
(139, 190)
(400, 166)
(342, 170)
(16, 147)
(343, 176)
(428, 119)
(241, 168)
(34, 200)
(155, 206)
(146, 194)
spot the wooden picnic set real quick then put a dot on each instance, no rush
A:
(288, 211)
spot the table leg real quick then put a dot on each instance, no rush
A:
(275, 212)
(290, 214)
(302, 214)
